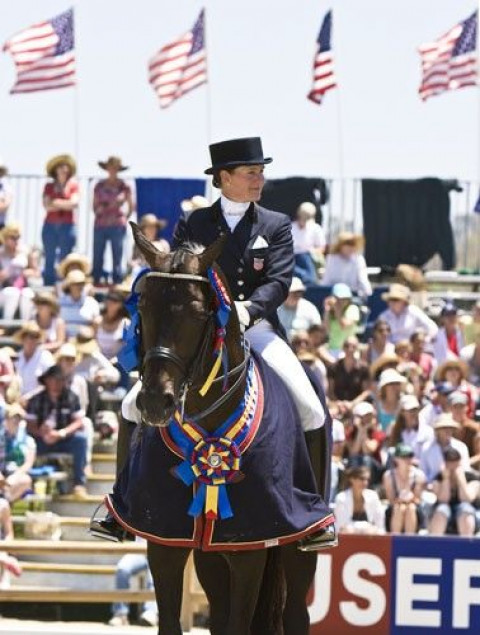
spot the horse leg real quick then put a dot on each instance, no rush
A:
(167, 565)
(214, 576)
(246, 575)
(299, 570)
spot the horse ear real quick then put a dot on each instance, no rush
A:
(212, 253)
(154, 257)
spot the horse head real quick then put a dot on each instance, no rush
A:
(177, 317)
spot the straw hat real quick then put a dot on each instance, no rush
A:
(3, 167)
(43, 297)
(148, 220)
(447, 365)
(409, 402)
(382, 362)
(397, 292)
(12, 229)
(113, 162)
(347, 238)
(390, 376)
(73, 277)
(306, 209)
(445, 420)
(67, 351)
(29, 328)
(410, 276)
(194, 203)
(85, 341)
(81, 262)
(60, 159)
(9, 351)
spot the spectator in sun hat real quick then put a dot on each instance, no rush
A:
(408, 428)
(6, 193)
(341, 317)
(296, 313)
(308, 243)
(431, 461)
(91, 364)
(189, 205)
(14, 292)
(151, 226)
(60, 199)
(455, 494)
(455, 372)
(33, 360)
(346, 264)
(449, 340)
(403, 317)
(112, 206)
(48, 319)
(403, 484)
(389, 391)
(56, 421)
(365, 440)
(76, 307)
(469, 431)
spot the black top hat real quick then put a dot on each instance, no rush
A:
(245, 151)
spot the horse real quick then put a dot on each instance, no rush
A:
(204, 416)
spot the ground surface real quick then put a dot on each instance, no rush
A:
(29, 627)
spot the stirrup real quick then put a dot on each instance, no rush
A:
(323, 539)
(107, 528)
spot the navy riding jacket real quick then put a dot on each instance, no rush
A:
(261, 275)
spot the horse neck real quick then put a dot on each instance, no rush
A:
(196, 404)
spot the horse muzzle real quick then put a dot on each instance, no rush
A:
(156, 407)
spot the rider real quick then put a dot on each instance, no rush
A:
(258, 261)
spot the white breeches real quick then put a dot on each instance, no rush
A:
(280, 357)
(11, 298)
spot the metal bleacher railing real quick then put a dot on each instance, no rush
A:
(342, 212)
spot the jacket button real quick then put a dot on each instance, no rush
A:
(241, 296)
(240, 283)
(240, 270)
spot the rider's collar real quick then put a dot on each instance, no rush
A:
(233, 208)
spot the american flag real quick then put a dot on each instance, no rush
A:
(323, 74)
(180, 66)
(450, 62)
(44, 55)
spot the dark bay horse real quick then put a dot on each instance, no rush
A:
(216, 465)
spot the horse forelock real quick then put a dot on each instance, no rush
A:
(182, 261)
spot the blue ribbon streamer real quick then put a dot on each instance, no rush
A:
(129, 355)
(198, 502)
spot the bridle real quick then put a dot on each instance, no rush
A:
(190, 371)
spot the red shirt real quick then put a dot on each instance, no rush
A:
(54, 190)
(452, 343)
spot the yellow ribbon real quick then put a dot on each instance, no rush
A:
(213, 373)
(211, 501)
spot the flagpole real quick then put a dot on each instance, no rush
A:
(76, 96)
(341, 164)
(208, 101)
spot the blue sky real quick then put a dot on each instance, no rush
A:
(260, 54)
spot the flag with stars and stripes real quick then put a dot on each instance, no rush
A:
(44, 55)
(181, 65)
(323, 73)
(451, 61)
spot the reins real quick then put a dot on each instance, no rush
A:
(190, 372)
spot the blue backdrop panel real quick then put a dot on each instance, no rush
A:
(162, 197)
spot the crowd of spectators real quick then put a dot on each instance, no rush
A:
(403, 392)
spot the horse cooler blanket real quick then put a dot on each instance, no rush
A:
(247, 486)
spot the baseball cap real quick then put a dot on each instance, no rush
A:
(444, 388)
(404, 451)
(445, 420)
(449, 309)
(362, 409)
(409, 402)
(457, 398)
